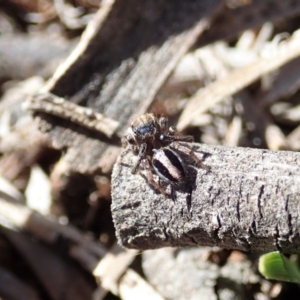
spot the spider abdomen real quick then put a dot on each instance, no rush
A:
(168, 165)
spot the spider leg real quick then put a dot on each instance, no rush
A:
(189, 201)
(125, 152)
(141, 155)
(173, 138)
(163, 124)
(156, 185)
(185, 138)
(191, 153)
(194, 157)
(152, 181)
(124, 141)
(173, 194)
(198, 161)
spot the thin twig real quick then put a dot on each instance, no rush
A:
(67, 110)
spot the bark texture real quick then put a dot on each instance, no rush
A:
(249, 200)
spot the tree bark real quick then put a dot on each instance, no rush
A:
(248, 200)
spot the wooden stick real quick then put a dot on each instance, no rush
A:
(249, 200)
(84, 116)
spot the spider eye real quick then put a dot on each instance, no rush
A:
(162, 137)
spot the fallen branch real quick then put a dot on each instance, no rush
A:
(67, 110)
(249, 200)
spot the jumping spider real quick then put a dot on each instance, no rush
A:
(150, 138)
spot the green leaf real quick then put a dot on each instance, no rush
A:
(275, 265)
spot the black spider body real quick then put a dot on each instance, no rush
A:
(152, 141)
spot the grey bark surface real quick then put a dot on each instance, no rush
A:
(249, 200)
